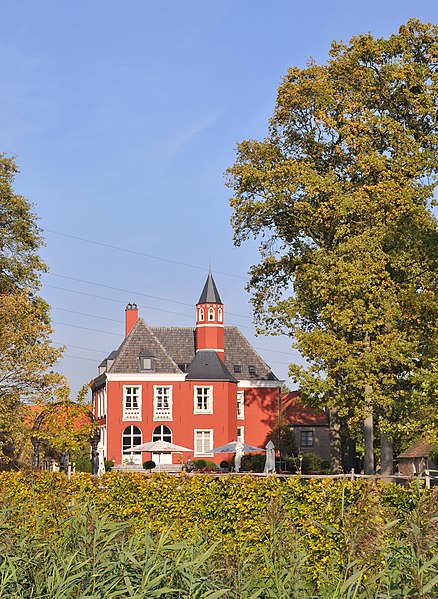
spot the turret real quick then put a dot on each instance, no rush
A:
(210, 319)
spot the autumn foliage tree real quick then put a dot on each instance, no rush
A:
(339, 195)
(26, 353)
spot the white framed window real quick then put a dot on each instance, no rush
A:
(240, 405)
(241, 434)
(103, 439)
(220, 314)
(203, 400)
(201, 314)
(162, 403)
(211, 314)
(131, 402)
(131, 436)
(100, 404)
(203, 442)
(162, 433)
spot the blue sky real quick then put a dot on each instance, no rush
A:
(123, 117)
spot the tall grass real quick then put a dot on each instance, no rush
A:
(91, 556)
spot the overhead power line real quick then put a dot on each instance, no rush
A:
(76, 326)
(153, 257)
(242, 326)
(133, 293)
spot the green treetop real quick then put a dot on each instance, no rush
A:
(339, 195)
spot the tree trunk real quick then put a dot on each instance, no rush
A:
(335, 441)
(386, 455)
(368, 461)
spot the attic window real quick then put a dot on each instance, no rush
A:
(237, 368)
(183, 367)
(251, 369)
(147, 364)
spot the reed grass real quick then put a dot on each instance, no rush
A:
(93, 556)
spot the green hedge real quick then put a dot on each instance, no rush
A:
(334, 522)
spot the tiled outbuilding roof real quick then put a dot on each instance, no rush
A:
(297, 414)
(420, 449)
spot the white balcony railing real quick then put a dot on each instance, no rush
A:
(131, 413)
(162, 413)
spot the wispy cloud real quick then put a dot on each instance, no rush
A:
(185, 136)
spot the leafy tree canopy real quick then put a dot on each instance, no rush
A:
(26, 353)
(339, 196)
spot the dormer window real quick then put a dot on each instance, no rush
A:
(211, 314)
(147, 361)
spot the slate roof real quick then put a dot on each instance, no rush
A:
(173, 346)
(180, 344)
(210, 294)
(141, 338)
(207, 365)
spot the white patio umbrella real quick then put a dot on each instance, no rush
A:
(159, 447)
(232, 446)
(101, 470)
(270, 459)
(239, 449)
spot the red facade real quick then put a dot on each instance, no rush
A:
(196, 387)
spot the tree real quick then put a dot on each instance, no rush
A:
(283, 438)
(26, 352)
(339, 195)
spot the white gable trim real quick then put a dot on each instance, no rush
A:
(145, 376)
(260, 384)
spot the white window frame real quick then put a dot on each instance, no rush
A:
(241, 434)
(241, 405)
(220, 314)
(211, 314)
(165, 414)
(133, 456)
(203, 453)
(209, 397)
(201, 314)
(159, 436)
(130, 413)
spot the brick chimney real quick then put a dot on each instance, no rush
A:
(131, 317)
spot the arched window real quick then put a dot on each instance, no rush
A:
(162, 433)
(219, 314)
(201, 314)
(131, 436)
(211, 314)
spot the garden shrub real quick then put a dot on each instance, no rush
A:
(149, 465)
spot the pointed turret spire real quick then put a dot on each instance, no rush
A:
(210, 294)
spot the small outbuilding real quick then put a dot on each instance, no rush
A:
(415, 459)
